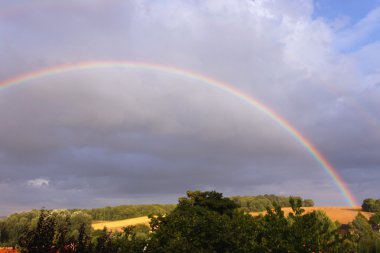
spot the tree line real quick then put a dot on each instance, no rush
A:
(201, 222)
(246, 203)
(262, 202)
(127, 211)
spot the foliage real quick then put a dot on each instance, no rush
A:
(141, 231)
(375, 219)
(104, 242)
(207, 222)
(56, 230)
(127, 211)
(39, 239)
(210, 200)
(371, 205)
(261, 202)
(308, 203)
(201, 222)
(299, 232)
(360, 237)
(128, 241)
(13, 226)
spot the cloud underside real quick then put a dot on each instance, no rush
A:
(111, 136)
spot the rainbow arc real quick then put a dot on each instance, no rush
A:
(228, 88)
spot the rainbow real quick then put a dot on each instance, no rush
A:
(228, 88)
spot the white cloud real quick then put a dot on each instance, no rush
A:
(38, 183)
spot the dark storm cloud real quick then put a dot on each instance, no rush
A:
(98, 137)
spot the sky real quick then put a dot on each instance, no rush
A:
(111, 136)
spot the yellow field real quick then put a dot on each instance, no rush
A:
(118, 225)
(342, 214)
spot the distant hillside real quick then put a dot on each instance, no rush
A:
(115, 213)
(247, 203)
(127, 211)
(118, 225)
(342, 214)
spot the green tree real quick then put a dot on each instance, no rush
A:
(308, 202)
(312, 232)
(40, 239)
(375, 219)
(128, 241)
(299, 232)
(16, 225)
(203, 222)
(83, 240)
(210, 200)
(104, 242)
(62, 228)
(360, 237)
(274, 231)
(4, 233)
(371, 205)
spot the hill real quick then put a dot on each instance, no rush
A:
(247, 204)
(116, 213)
(342, 214)
(118, 225)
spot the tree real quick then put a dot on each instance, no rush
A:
(104, 242)
(308, 202)
(210, 200)
(312, 232)
(274, 231)
(203, 222)
(299, 232)
(4, 233)
(83, 238)
(127, 241)
(371, 205)
(375, 219)
(40, 239)
(62, 229)
(361, 237)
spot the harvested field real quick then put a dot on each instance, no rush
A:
(118, 225)
(342, 214)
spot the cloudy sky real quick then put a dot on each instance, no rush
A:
(112, 136)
